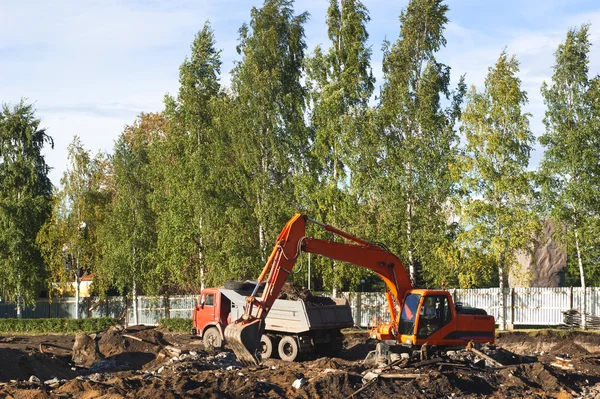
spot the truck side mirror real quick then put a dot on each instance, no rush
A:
(202, 302)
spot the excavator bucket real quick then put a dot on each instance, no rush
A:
(244, 340)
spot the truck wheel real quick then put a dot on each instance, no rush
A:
(212, 337)
(288, 349)
(266, 344)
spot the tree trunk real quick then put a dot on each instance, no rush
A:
(19, 303)
(261, 194)
(261, 241)
(411, 263)
(77, 282)
(201, 258)
(135, 303)
(134, 292)
(502, 322)
(582, 276)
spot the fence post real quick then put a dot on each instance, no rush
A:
(358, 320)
(167, 303)
(511, 325)
(502, 310)
(126, 311)
(583, 320)
(570, 297)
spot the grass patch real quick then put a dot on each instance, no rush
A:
(176, 324)
(55, 326)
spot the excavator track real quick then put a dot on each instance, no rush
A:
(244, 340)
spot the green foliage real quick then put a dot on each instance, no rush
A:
(182, 195)
(412, 169)
(197, 194)
(340, 84)
(80, 207)
(56, 326)
(261, 139)
(176, 324)
(569, 171)
(496, 207)
(25, 200)
(128, 236)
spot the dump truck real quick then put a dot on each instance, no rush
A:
(427, 317)
(292, 328)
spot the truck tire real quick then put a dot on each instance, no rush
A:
(266, 344)
(234, 285)
(212, 337)
(288, 349)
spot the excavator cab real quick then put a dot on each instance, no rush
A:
(430, 317)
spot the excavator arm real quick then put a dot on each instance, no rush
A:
(244, 334)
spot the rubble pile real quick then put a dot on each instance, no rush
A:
(143, 363)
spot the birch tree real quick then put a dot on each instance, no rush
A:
(340, 83)
(129, 234)
(417, 141)
(25, 202)
(570, 167)
(182, 163)
(69, 239)
(267, 136)
(496, 211)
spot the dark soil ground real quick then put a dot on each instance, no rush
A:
(547, 365)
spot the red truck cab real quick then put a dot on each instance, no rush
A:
(211, 316)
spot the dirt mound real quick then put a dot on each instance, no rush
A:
(131, 348)
(569, 348)
(549, 341)
(293, 292)
(16, 364)
(90, 389)
(196, 373)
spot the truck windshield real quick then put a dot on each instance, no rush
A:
(409, 313)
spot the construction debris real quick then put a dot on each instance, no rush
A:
(489, 361)
(142, 368)
(572, 319)
(300, 382)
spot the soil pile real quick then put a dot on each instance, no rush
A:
(569, 372)
(294, 292)
(17, 364)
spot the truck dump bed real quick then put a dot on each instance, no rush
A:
(297, 316)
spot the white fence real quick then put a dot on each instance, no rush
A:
(513, 307)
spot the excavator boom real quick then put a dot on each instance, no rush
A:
(244, 334)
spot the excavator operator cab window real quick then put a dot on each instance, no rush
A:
(409, 313)
(434, 314)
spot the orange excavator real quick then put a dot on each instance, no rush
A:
(427, 316)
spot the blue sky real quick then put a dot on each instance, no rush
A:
(91, 66)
